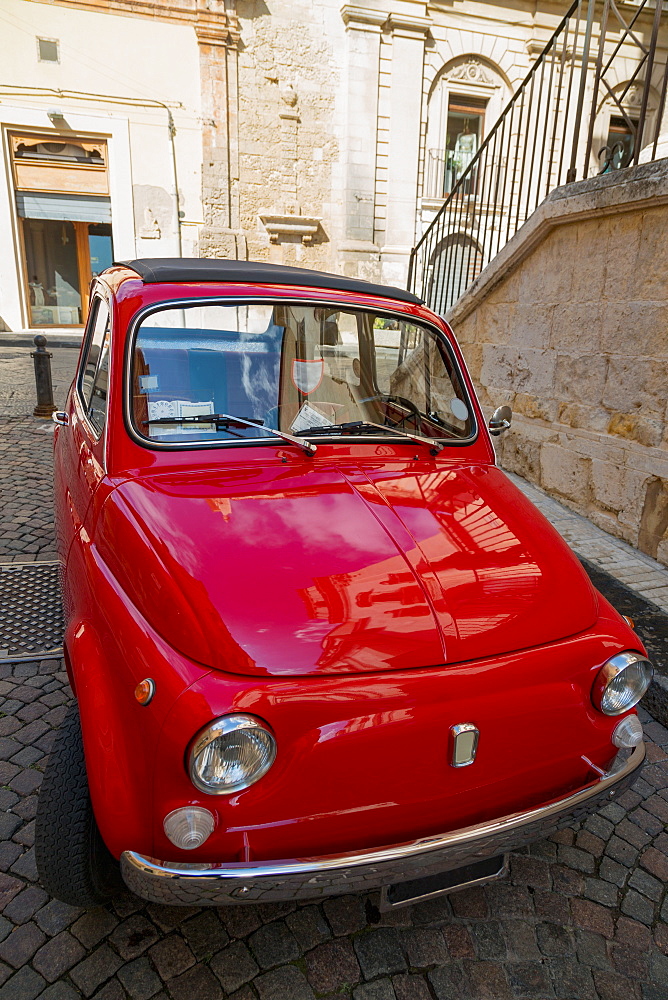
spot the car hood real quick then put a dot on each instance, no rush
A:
(342, 569)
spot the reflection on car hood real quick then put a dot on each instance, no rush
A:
(341, 568)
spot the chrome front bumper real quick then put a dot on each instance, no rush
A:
(308, 878)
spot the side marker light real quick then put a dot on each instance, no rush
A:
(628, 732)
(189, 826)
(145, 690)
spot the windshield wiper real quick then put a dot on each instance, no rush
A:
(228, 420)
(353, 426)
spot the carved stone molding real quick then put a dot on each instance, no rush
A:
(402, 24)
(214, 25)
(362, 18)
(472, 71)
(221, 23)
(290, 225)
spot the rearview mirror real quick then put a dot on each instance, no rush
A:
(500, 420)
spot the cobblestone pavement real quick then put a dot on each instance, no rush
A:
(583, 916)
(26, 490)
(17, 378)
(26, 445)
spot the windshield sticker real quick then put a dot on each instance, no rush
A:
(307, 417)
(148, 383)
(459, 409)
(307, 375)
(161, 408)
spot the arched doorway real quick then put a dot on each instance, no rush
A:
(455, 263)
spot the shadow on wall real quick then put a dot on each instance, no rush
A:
(569, 325)
(654, 520)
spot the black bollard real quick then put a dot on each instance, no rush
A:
(45, 404)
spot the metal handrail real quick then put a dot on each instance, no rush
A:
(550, 125)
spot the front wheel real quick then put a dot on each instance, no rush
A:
(73, 862)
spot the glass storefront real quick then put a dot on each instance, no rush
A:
(61, 257)
(100, 248)
(62, 198)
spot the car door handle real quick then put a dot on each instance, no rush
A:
(61, 418)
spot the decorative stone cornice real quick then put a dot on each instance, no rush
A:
(215, 26)
(364, 18)
(403, 24)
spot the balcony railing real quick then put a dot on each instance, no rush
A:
(593, 101)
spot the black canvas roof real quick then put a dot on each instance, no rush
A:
(155, 269)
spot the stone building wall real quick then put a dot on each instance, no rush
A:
(569, 325)
(289, 142)
(323, 124)
(321, 159)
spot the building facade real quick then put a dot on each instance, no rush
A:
(101, 128)
(299, 131)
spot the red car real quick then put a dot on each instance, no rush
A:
(319, 643)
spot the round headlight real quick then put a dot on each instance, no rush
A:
(621, 683)
(230, 754)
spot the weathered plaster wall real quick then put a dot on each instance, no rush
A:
(570, 327)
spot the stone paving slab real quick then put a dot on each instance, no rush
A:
(17, 378)
(583, 915)
(636, 570)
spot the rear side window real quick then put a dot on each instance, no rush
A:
(95, 368)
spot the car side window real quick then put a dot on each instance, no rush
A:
(95, 368)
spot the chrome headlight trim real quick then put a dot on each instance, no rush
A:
(222, 727)
(611, 670)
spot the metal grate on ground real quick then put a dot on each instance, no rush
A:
(31, 615)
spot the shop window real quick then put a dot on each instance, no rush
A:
(61, 257)
(52, 162)
(464, 134)
(100, 248)
(62, 199)
(48, 50)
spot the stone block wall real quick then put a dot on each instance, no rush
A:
(570, 327)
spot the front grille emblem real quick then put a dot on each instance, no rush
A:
(464, 740)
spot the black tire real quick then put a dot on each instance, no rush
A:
(73, 862)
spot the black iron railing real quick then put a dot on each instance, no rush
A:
(593, 101)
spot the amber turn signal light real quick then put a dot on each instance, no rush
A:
(629, 621)
(145, 690)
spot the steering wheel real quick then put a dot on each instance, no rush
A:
(400, 401)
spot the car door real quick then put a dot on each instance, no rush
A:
(80, 446)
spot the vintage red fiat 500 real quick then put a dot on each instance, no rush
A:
(319, 642)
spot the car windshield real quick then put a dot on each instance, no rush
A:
(298, 369)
